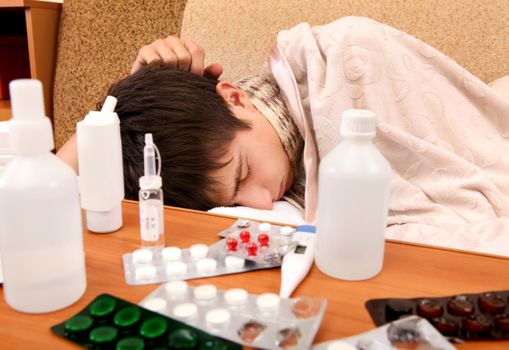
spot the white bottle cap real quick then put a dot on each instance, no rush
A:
(176, 289)
(171, 253)
(341, 345)
(199, 251)
(185, 311)
(265, 227)
(358, 122)
(235, 296)
(6, 153)
(268, 302)
(206, 265)
(145, 272)
(205, 292)
(286, 231)
(100, 168)
(177, 268)
(156, 305)
(217, 318)
(105, 221)
(30, 129)
(234, 262)
(142, 256)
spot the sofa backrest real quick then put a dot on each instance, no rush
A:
(239, 33)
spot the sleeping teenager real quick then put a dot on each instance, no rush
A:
(260, 140)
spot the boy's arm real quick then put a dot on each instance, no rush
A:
(69, 153)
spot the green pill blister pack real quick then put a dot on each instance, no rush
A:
(112, 323)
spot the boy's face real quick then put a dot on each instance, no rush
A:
(259, 171)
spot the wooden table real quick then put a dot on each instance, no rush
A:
(409, 271)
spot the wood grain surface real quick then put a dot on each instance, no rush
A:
(409, 271)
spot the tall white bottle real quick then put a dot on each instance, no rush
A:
(353, 198)
(41, 238)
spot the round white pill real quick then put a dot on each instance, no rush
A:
(217, 318)
(234, 262)
(185, 311)
(268, 302)
(176, 289)
(235, 296)
(341, 345)
(142, 256)
(199, 251)
(156, 305)
(264, 227)
(206, 265)
(286, 231)
(145, 272)
(171, 253)
(177, 268)
(205, 292)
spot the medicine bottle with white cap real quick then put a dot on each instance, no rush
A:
(41, 237)
(353, 200)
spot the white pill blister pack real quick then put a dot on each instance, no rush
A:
(260, 321)
(148, 266)
(411, 332)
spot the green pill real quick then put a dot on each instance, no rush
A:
(103, 306)
(127, 316)
(132, 343)
(153, 327)
(103, 334)
(78, 324)
(183, 339)
(213, 345)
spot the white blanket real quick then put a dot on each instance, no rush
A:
(444, 132)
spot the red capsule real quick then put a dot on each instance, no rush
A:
(231, 244)
(251, 248)
(263, 238)
(245, 236)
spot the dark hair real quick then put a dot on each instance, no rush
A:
(190, 123)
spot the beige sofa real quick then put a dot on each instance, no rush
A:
(99, 39)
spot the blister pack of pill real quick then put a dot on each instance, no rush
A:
(261, 321)
(109, 322)
(148, 266)
(409, 333)
(260, 242)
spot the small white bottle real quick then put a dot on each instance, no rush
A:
(151, 198)
(41, 237)
(353, 199)
(101, 173)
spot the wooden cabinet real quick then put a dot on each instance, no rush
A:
(28, 46)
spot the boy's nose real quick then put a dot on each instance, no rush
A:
(256, 197)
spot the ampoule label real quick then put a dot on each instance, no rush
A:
(150, 221)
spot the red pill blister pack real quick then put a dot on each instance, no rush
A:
(466, 316)
(263, 243)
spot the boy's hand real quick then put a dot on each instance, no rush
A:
(180, 53)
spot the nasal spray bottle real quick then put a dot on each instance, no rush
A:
(151, 198)
(353, 200)
(41, 238)
(100, 168)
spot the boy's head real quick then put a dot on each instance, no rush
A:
(191, 124)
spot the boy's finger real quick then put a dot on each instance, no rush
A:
(214, 70)
(197, 56)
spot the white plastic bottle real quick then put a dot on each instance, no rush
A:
(151, 199)
(100, 168)
(353, 198)
(41, 238)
